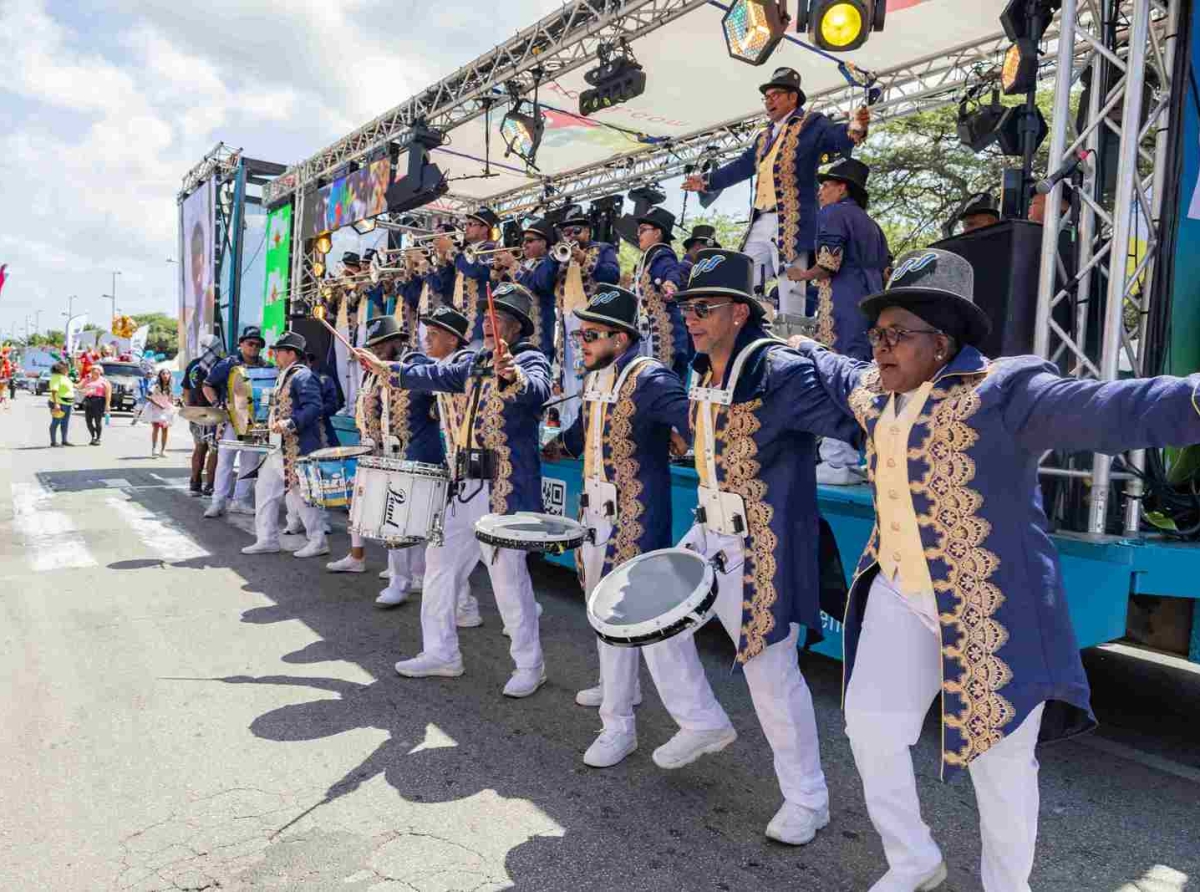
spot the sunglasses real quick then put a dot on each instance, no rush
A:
(591, 335)
(893, 336)
(572, 230)
(702, 311)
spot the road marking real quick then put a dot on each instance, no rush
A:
(157, 532)
(1149, 760)
(52, 541)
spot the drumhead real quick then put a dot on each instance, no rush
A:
(334, 453)
(652, 597)
(530, 531)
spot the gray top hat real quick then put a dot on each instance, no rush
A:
(939, 287)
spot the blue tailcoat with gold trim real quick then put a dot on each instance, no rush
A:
(806, 137)
(476, 277)
(412, 416)
(541, 280)
(766, 453)
(852, 247)
(668, 334)
(1007, 641)
(636, 440)
(298, 400)
(508, 419)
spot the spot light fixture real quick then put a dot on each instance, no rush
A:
(753, 28)
(840, 26)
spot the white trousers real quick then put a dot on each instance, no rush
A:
(226, 485)
(781, 697)
(269, 491)
(763, 249)
(897, 674)
(447, 572)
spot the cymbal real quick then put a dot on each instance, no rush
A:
(203, 415)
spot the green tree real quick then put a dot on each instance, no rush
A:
(164, 333)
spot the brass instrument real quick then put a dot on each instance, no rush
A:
(472, 254)
(457, 235)
(562, 251)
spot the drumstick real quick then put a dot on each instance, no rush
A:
(492, 316)
(337, 334)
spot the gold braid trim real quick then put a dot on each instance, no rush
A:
(961, 534)
(738, 457)
(366, 410)
(470, 307)
(290, 440)
(787, 189)
(862, 404)
(661, 343)
(398, 409)
(592, 257)
(623, 469)
(490, 422)
(509, 391)
(826, 329)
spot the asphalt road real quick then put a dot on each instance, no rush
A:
(179, 716)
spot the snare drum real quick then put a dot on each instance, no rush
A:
(653, 597)
(326, 476)
(530, 531)
(248, 446)
(398, 503)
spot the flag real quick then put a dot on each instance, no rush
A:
(3, 275)
(137, 343)
(74, 330)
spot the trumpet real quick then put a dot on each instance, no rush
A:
(457, 235)
(562, 251)
(472, 254)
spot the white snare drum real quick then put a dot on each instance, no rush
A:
(398, 503)
(326, 476)
(248, 446)
(653, 597)
(530, 531)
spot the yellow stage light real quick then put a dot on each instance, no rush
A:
(842, 25)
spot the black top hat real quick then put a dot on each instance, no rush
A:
(369, 255)
(980, 203)
(383, 328)
(721, 272)
(486, 216)
(614, 306)
(576, 216)
(252, 333)
(541, 229)
(448, 319)
(784, 79)
(351, 257)
(661, 218)
(446, 227)
(290, 340)
(514, 299)
(854, 174)
(937, 286)
(702, 232)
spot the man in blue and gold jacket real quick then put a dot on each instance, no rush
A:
(658, 276)
(959, 593)
(631, 405)
(757, 406)
(784, 159)
(462, 282)
(538, 272)
(296, 420)
(497, 469)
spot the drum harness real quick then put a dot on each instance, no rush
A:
(472, 462)
(723, 512)
(596, 487)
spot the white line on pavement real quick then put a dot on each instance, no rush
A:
(52, 541)
(1149, 760)
(157, 532)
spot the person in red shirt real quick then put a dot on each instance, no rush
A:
(6, 375)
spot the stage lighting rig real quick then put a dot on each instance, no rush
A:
(618, 78)
(753, 28)
(977, 123)
(362, 227)
(840, 26)
(522, 133)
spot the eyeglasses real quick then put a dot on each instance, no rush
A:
(529, 240)
(702, 311)
(590, 335)
(893, 336)
(774, 94)
(572, 230)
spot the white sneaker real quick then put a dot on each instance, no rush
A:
(237, 507)
(423, 666)
(262, 548)
(688, 746)
(391, 597)
(417, 584)
(595, 696)
(385, 573)
(525, 682)
(216, 509)
(796, 825)
(348, 564)
(313, 549)
(466, 615)
(505, 631)
(610, 748)
(293, 528)
(327, 528)
(827, 475)
(889, 882)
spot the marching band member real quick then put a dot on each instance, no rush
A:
(785, 157)
(497, 470)
(625, 446)
(703, 236)
(467, 282)
(296, 418)
(250, 346)
(412, 423)
(331, 398)
(591, 264)
(960, 584)
(755, 457)
(852, 253)
(657, 278)
(538, 272)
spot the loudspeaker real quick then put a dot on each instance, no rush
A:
(1007, 261)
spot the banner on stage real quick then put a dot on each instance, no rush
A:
(278, 271)
(196, 271)
(347, 200)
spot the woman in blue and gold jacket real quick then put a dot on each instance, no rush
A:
(960, 590)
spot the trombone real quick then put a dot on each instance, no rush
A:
(562, 251)
(378, 264)
(456, 235)
(472, 254)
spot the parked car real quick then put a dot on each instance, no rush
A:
(126, 381)
(41, 384)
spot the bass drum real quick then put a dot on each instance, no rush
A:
(399, 503)
(326, 476)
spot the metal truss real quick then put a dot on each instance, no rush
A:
(221, 158)
(1119, 234)
(558, 43)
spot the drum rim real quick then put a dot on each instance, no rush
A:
(248, 447)
(365, 450)
(391, 542)
(651, 629)
(400, 465)
(578, 529)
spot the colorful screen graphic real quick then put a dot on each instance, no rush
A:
(348, 199)
(279, 258)
(196, 291)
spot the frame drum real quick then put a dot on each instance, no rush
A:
(653, 597)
